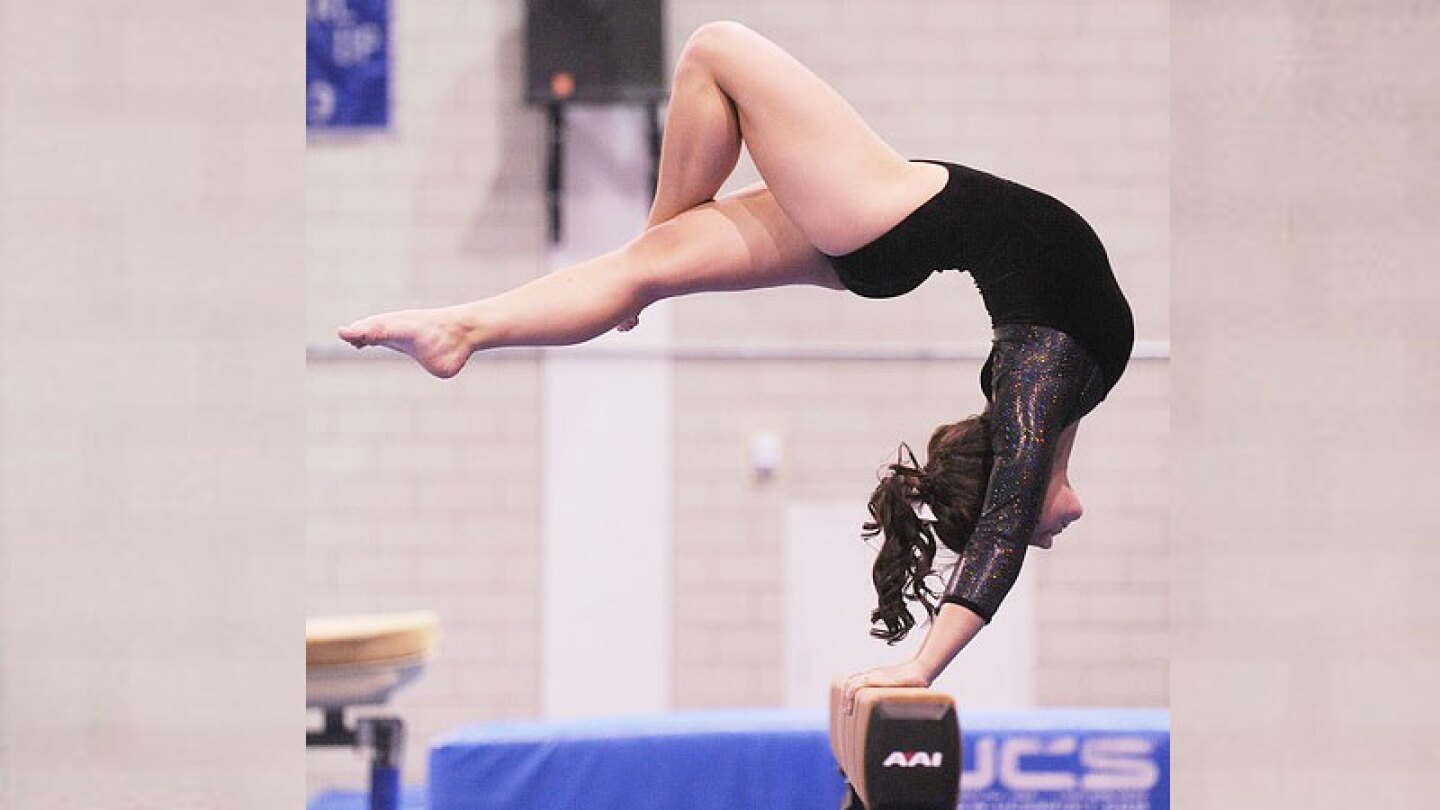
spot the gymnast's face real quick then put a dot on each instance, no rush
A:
(1062, 505)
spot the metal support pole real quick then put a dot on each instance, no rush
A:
(555, 168)
(652, 116)
(334, 731)
(385, 737)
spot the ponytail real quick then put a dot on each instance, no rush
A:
(907, 553)
(952, 484)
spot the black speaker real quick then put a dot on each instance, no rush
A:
(595, 51)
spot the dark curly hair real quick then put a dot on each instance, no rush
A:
(952, 483)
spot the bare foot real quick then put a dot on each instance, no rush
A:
(438, 339)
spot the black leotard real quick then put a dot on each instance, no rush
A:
(1063, 333)
(1034, 260)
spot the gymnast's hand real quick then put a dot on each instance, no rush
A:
(910, 673)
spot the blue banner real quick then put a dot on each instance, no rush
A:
(1092, 765)
(347, 64)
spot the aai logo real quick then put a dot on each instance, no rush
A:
(912, 759)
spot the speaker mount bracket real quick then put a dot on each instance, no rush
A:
(555, 155)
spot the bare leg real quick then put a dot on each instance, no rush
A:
(701, 143)
(832, 186)
(834, 177)
(741, 242)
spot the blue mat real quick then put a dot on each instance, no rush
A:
(1057, 759)
(690, 760)
(411, 799)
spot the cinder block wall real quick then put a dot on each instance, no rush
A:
(405, 472)
(422, 493)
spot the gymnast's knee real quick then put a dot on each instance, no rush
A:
(648, 272)
(713, 41)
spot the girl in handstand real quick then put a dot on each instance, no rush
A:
(839, 208)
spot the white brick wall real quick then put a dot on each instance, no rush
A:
(448, 206)
(424, 495)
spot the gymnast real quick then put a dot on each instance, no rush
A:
(838, 208)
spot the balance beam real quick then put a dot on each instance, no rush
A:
(898, 750)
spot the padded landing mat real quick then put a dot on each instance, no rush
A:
(765, 758)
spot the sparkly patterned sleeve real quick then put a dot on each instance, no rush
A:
(1039, 383)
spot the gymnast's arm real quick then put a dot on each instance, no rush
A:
(950, 630)
(952, 627)
(1023, 436)
(991, 561)
(1014, 498)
